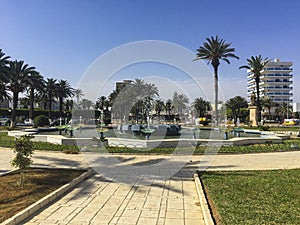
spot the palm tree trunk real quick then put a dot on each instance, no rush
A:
(216, 95)
(60, 106)
(257, 80)
(50, 107)
(31, 100)
(14, 109)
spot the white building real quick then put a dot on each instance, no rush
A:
(296, 107)
(275, 82)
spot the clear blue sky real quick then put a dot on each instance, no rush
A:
(61, 38)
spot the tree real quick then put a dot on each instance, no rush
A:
(18, 74)
(50, 93)
(159, 106)
(23, 147)
(78, 93)
(4, 65)
(86, 104)
(201, 107)
(236, 104)
(4, 95)
(24, 102)
(179, 102)
(35, 82)
(168, 107)
(102, 102)
(255, 66)
(63, 91)
(214, 50)
(268, 103)
(285, 110)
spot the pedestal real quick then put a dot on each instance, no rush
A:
(253, 115)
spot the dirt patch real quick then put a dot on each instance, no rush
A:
(37, 184)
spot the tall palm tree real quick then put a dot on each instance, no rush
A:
(255, 66)
(78, 93)
(214, 50)
(63, 90)
(50, 91)
(35, 83)
(18, 74)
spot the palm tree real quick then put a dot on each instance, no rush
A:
(201, 106)
(179, 102)
(86, 104)
(286, 109)
(18, 74)
(50, 91)
(101, 102)
(36, 82)
(159, 105)
(236, 104)
(78, 93)
(168, 107)
(255, 66)
(4, 95)
(115, 109)
(214, 50)
(4, 63)
(63, 91)
(24, 102)
(268, 103)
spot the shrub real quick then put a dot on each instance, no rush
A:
(23, 148)
(41, 121)
(264, 128)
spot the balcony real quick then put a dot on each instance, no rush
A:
(278, 68)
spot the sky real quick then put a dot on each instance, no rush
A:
(64, 38)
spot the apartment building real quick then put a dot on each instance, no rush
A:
(275, 82)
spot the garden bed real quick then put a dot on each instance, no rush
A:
(37, 184)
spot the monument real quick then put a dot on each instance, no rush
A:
(253, 111)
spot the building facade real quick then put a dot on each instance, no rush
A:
(275, 82)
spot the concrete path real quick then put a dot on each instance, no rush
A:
(111, 200)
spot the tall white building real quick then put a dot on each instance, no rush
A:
(275, 82)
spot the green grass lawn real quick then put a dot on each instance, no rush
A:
(7, 141)
(254, 197)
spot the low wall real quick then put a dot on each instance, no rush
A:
(162, 143)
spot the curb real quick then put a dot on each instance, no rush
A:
(30, 210)
(203, 202)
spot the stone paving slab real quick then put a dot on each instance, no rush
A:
(102, 200)
(95, 201)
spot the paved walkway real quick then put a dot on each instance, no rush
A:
(112, 200)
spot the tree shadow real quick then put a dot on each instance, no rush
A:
(55, 161)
